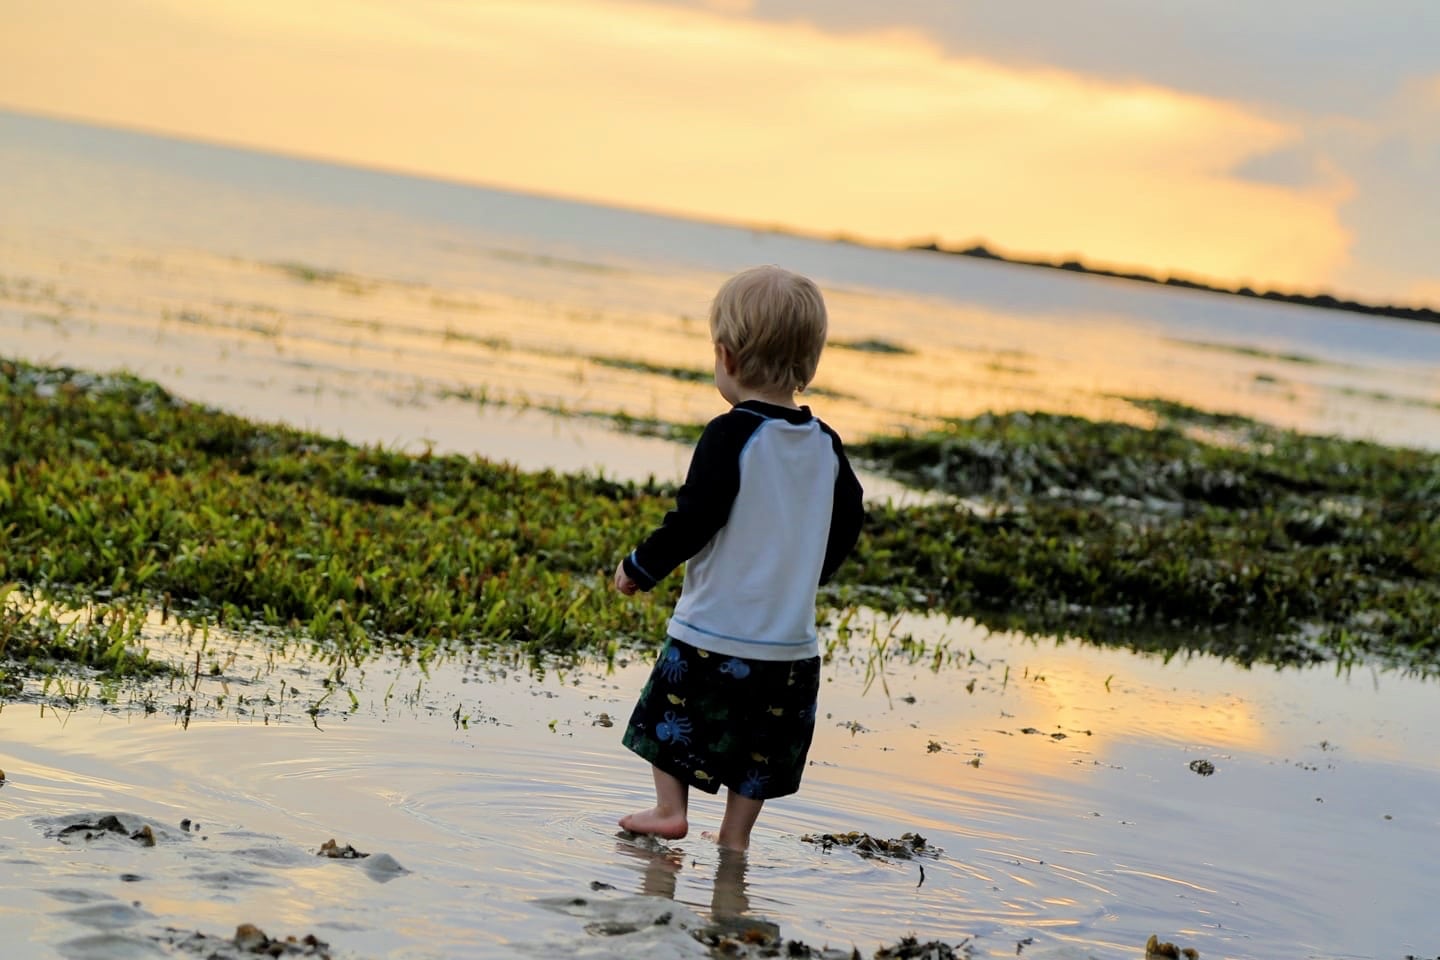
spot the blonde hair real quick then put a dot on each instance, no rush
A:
(773, 322)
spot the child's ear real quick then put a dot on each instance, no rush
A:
(727, 358)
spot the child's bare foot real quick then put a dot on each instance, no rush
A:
(671, 826)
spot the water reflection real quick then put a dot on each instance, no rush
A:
(731, 897)
(661, 866)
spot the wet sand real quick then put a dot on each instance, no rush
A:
(1060, 793)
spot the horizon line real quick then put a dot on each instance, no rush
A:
(976, 247)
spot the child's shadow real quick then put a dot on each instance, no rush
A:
(663, 863)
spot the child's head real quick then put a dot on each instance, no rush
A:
(773, 324)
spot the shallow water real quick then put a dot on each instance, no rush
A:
(1316, 835)
(385, 308)
(362, 304)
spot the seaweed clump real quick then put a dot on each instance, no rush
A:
(114, 490)
(1211, 532)
(248, 941)
(1204, 532)
(908, 846)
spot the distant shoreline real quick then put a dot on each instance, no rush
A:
(978, 250)
(1322, 301)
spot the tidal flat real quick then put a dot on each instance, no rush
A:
(1073, 801)
(314, 477)
(288, 639)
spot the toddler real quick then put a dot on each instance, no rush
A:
(768, 510)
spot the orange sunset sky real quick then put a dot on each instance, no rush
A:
(1294, 145)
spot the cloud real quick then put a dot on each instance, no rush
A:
(1392, 158)
(732, 7)
(1314, 56)
(879, 134)
(1416, 109)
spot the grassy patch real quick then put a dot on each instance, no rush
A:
(683, 374)
(38, 639)
(1381, 396)
(871, 345)
(653, 427)
(1182, 414)
(111, 486)
(1001, 367)
(306, 273)
(1257, 353)
(619, 419)
(1273, 546)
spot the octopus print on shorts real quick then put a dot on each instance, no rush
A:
(710, 720)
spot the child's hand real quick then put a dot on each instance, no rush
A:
(623, 583)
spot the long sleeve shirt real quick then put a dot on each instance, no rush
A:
(769, 509)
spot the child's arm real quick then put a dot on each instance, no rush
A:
(847, 514)
(701, 507)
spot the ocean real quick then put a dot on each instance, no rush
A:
(1056, 783)
(404, 311)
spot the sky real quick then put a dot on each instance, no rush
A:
(1290, 144)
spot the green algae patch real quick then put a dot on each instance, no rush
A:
(112, 487)
(683, 374)
(40, 638)
(871, 345)
(1206, 532)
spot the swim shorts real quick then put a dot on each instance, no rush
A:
(709, 719)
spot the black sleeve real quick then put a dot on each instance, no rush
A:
(703, 504)
(846, 515)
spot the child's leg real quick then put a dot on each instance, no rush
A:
(668, 817)
(740, 815)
